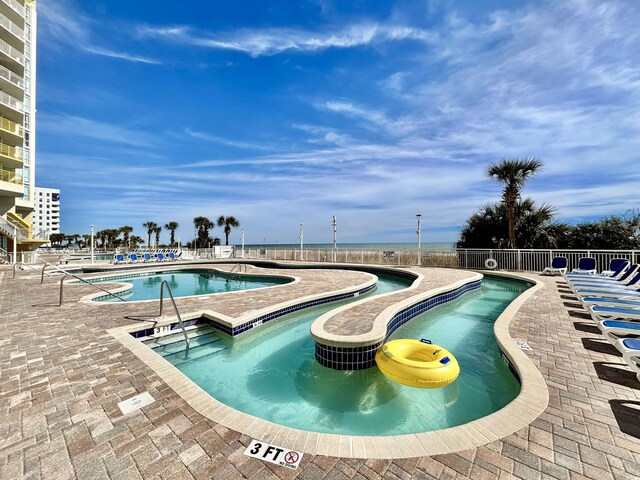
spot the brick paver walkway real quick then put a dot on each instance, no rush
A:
(61, 377)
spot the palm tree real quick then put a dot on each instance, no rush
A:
(202, 224)
(157, 231)
(227, 223)
(172, 227)
(136, 241)
(151, 227)
(513, 173)
(126, 230)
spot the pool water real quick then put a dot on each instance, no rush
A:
(146, 286)
(272, 373)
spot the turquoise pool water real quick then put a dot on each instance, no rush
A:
(146, 286)
(272, 373)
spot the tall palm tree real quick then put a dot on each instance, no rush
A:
(172, 227)
(126, 230)
(513, 173)
(202, 224)
(136, 241)
(157, 231)
(151, 227)
(227, 223)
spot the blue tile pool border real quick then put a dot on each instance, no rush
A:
(362, 357)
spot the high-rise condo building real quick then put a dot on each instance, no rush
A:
(46, 216)
(17, 125)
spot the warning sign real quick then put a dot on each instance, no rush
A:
(274, 454)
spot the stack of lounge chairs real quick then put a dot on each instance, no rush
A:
(613, 301)
(147, 256)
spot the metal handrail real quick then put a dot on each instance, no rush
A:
(175, 307)
(47, 264)
(239, 265)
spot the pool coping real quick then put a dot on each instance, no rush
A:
(532, 400)
(123, 286)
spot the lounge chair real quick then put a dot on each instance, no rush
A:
(160, 257)
(118, 258)
(624, 274)
(147, 257)
(629, 301)
(603, 312)
(630, 349)
(586, 265)
(133, 258)
(615, 266)
(172, 256)
(615, 329)
(558, 266)
(590, 288)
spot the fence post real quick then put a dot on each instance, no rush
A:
(519, 260)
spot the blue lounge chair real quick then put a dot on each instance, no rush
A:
(558, 266)
(147, 257)
(160, 256)
(615, 329)
(589, 288)
(586, 265)
(616, 266)
(630, 349)
(118, 258)
(598, 279)
(172, 256)
(601, 313)
(133, 258)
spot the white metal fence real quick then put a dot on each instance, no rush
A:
(513, 260)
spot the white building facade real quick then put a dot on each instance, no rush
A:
(46, 215)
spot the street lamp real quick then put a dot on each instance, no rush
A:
(301, 242)
(92, 258)
(418, 215)
(242, 238)
(335, 229)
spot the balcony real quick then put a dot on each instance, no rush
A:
(11, 82)
(13, 58)
(10, 183)
(16, 112)
(16, 6)
(10, 32)
(11, 156)
(11, 131)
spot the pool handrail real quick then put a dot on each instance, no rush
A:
(175, 307)
(47, 264)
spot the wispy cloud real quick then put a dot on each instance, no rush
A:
(61, 21)
(223, 141)
(259, 42)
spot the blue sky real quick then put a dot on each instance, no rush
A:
(282, 113)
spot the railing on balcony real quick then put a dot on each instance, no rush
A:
(11, 101)
(12, 27)
(10, 151)
(14, 78)
(11, 127)
(15, 6)
(10, 176)
(11, 52)
(10, 229)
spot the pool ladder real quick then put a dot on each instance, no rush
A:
(240, 268)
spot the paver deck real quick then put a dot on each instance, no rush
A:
(62, 376)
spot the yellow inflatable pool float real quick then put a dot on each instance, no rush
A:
(417, 363)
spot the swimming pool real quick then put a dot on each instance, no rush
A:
(272, 373)
(146, 286)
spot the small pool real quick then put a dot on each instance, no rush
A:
(184, 283)
(273, 374)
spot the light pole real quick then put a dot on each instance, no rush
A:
(335, 229)
(242, 238)
(301, 242)
(418, 215)
(92, 258)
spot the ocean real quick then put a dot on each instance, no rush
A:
(359, 246)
